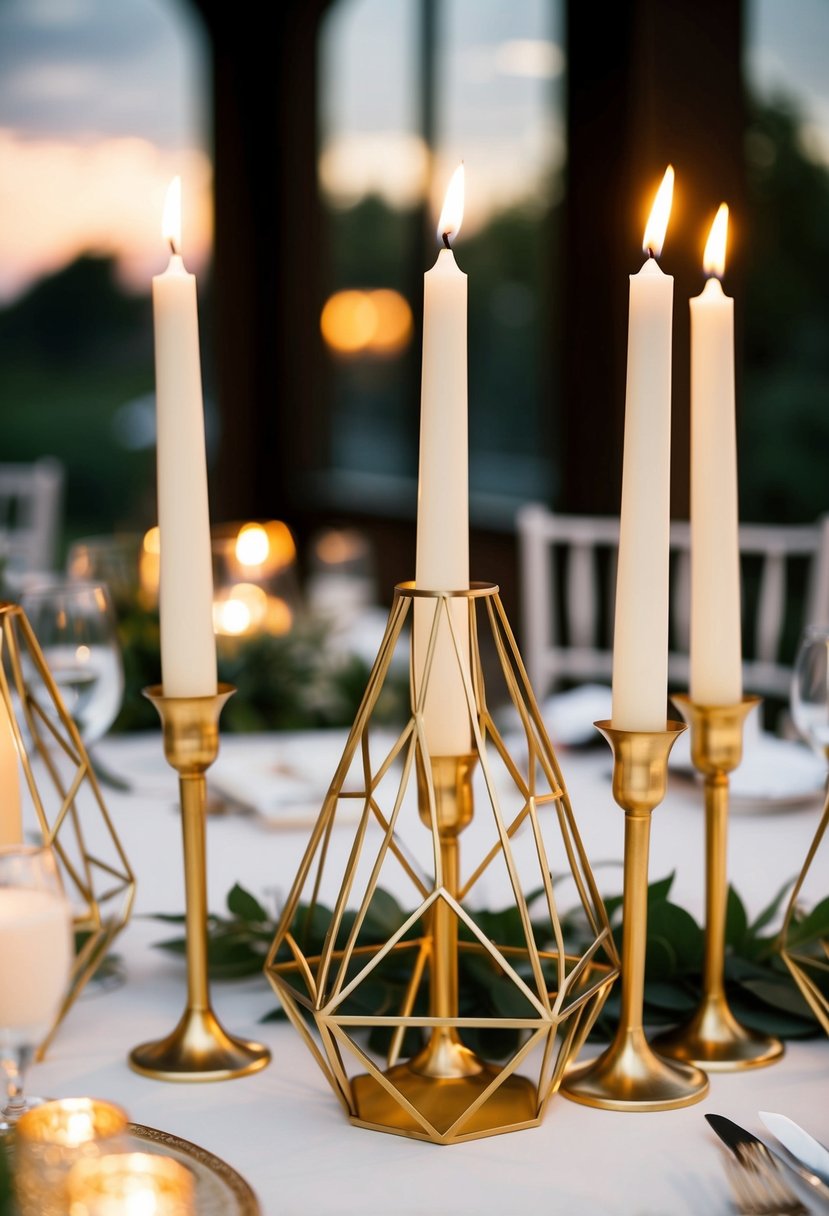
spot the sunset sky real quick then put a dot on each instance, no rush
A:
(103, 101)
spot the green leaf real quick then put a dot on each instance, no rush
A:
(242, 904)
(767, 915)
(814, 924)
(736, 920)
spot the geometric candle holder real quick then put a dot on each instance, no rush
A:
(713, 1038)
(68, 803)
(386, 1012)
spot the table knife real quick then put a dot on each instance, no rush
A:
(733, 1135)
(807, 1150)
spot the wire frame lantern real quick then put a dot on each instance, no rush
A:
(63, 789)
(387, 925)
(808, 958)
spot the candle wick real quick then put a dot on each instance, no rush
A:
(173, 249)
(446, 241)
(651, 253)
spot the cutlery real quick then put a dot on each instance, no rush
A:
(741, 1141)
(757, 1184)
(808, 1151)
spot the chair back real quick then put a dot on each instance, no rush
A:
(567, 569)
(31, 499)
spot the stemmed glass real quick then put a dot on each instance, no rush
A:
(74, 623)
(810, 689)
(35, 962)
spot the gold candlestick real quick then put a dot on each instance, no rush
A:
(713, 1038)
(199, 1049)
(628, 1075)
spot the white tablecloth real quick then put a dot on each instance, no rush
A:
(284, 1130)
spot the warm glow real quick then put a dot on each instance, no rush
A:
(149, 567)
(152, 541)
(171, 222)
(242, 610)
(339, 546)
(252, 546)
(79, 1128)
(82, 654)
(278, 617)
(366, 322)
(713, 260)
(451, 217)
(100, 196)
(657, 224)
(348, 321)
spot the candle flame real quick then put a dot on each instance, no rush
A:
(171, 222)
(451, 217)
(660, 214)
(713, 260)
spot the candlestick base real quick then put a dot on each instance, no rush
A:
(717, 1042)
(628, 1076)
(713, 1038)
(425, 1022)
(199, 1049)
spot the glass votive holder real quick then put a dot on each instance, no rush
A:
(53, 1137)
(131, 1184)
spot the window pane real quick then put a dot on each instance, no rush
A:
(785, 423)
(497, 77)
(100, 106)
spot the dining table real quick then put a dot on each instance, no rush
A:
(283, 1130)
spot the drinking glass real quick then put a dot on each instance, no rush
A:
(75, 625)
(35, 961)
(810, 689)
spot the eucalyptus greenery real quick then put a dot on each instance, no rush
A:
(297, 681)
(759, 987)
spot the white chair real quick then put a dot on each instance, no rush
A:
(31, 500)
(567, 568)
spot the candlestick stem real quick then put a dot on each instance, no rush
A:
(199, 1048)
(446, 1077)
(629, 1076)
(445, 1055)
(713, 1038)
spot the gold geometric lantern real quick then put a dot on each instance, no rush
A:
(63, 790)
(387, 1015)
(809, 963)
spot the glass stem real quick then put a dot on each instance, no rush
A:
(16, 1066)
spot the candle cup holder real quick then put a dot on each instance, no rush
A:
(61, 786)
(713, 1038)
(199, 1048)
(809, 969)
(629, 1076)
(383, 996)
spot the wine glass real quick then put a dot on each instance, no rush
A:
(74, 623)
(35, 962)
(810, 689)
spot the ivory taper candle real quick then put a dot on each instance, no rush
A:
(716, 647)
(188, 645)
(640, 638)
(442, 562)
